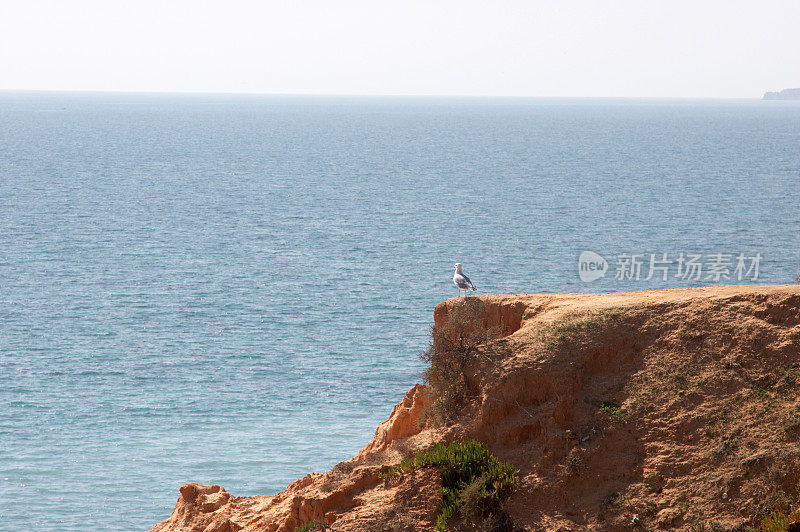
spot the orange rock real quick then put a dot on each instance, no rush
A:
(404, 421)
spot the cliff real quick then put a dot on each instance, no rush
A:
(785, 94)
(669, 410)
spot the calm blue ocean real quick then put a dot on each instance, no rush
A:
(234, 289)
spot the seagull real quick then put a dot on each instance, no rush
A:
(461, 280)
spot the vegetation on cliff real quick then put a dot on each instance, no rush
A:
(779, 521)
(474, 481)
(455, 344)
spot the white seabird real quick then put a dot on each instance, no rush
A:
(461, 280)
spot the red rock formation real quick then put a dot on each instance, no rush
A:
(667, 409)
(404, 422)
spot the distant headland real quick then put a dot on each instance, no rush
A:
(785, 94)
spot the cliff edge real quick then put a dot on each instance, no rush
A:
(665, 410)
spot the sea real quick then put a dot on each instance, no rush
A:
(234, 289)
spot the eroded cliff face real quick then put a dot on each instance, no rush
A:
(666, 409)
(352, 494)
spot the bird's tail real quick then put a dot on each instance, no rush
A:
(473, 288)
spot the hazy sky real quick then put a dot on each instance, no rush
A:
(514, 48)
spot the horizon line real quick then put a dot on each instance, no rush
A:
(365, 95)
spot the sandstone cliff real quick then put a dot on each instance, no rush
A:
(669, 410)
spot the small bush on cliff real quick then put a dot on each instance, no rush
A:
(780, 522)
(609, 407)
(474, 481)
(312, 525)
(452, 347)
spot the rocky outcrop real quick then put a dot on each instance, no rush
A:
(668, 410)
(196, 509)
(405, 421)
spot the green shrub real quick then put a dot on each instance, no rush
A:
(609, 407)
(474, 481)
(779, 522)
(312, 525)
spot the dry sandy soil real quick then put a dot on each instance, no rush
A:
(660, 410)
